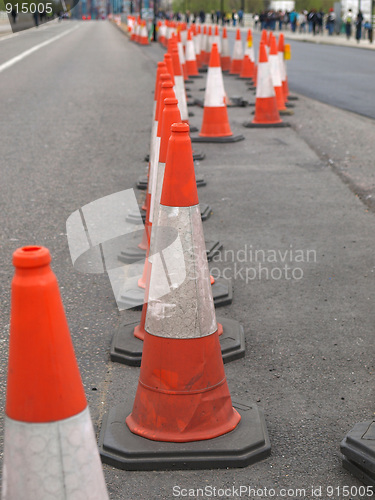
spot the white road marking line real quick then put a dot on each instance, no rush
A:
(21, 56)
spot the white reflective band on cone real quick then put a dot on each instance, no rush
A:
(225, 48)
(275, 70)
(154, 130)
(179, 90)
(144, 33)
(214, 96)
(197, 43)
(180, 298)
(282, 66)
(52, 461)
(183, 34)
(153, 176)
(162, 31)
(264, 81)
(158, 189)
(181, 54)
(237, 50)
(190, 52)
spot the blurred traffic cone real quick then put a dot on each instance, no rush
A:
(217, 39)
(50, 449)
(143, 37)
(266, 113)
(285, 55)
(237, 55)
(181, 55)
(197, 46)
(182, 395)
(264, 38)
(162, 33)
(209, 44)
(191, 60)
(203, 46)
(247, 69)
(225, 55)
(274, 62)
(249, 51)
(215, 124)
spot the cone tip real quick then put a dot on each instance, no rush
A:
(31, 256)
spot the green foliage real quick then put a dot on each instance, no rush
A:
(250, 5)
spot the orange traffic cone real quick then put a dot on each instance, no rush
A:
(266, 113)
(203, 46)
(182, 395)
(217, 39)
(225, 55)
(249, 51)
(181, 55)
(285, 55)
(274, 62)
(50, 448)
(215, 124)
(247, 69)
(143, 37)
(198, 45)
(237, 55)
(191, 60)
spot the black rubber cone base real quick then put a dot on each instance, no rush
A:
(266, 125)
(203, 70)
(196, 156)
(206, 211)
(196, 76)
(232, 340)
(246, 444)
(134, 217)
(292, 98)
(193, 128)
(213, 247)
(132, 296)
(355, 469)
(132, 254)
(199, 102)
(190, 114)
(135, 254)
(289, 105)
(359, 446)
(142, 182)
(222, 292)
(286, 112)
(224, 140)
(127, 349)
(237, 102)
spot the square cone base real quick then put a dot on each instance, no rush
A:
(135, 254)
(139, 217)
(197, 155)
(286, 112)
(366, 477)
(224, 140)
(292, 98)
(142, 182)
(358, 447)
(266, 125)
(132, 296)
(246, 444)
(237, 102)
(127, 349)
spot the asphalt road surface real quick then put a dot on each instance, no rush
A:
(76, 121)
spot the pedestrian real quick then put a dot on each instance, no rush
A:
(256, 20)
(319, 21)
(311, 19)
(348, 24)
(14, 14)
(293, 20)
(302, 22)
(240, 17)
(187, 17)
(212, 16)
(330, 23)
(234, 17)
(358, 26)
(279, 19)
(368, 27)
(202, 16)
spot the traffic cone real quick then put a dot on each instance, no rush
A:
(225, 55)
(203, 47)
(274, 62)
(197, 45)
(126, 346)
(237, 55)
(285, 55)
(358, 449)
(209, 42)
(191, 60)
(247, 69)
(181, 55)
(215, 124)
(249, 51)
(49, 442)
(217, 39)
(143, 37)
(182, 395)
(266, 113)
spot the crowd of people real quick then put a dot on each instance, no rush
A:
(313, 21)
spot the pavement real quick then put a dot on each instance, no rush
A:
(301, 196)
